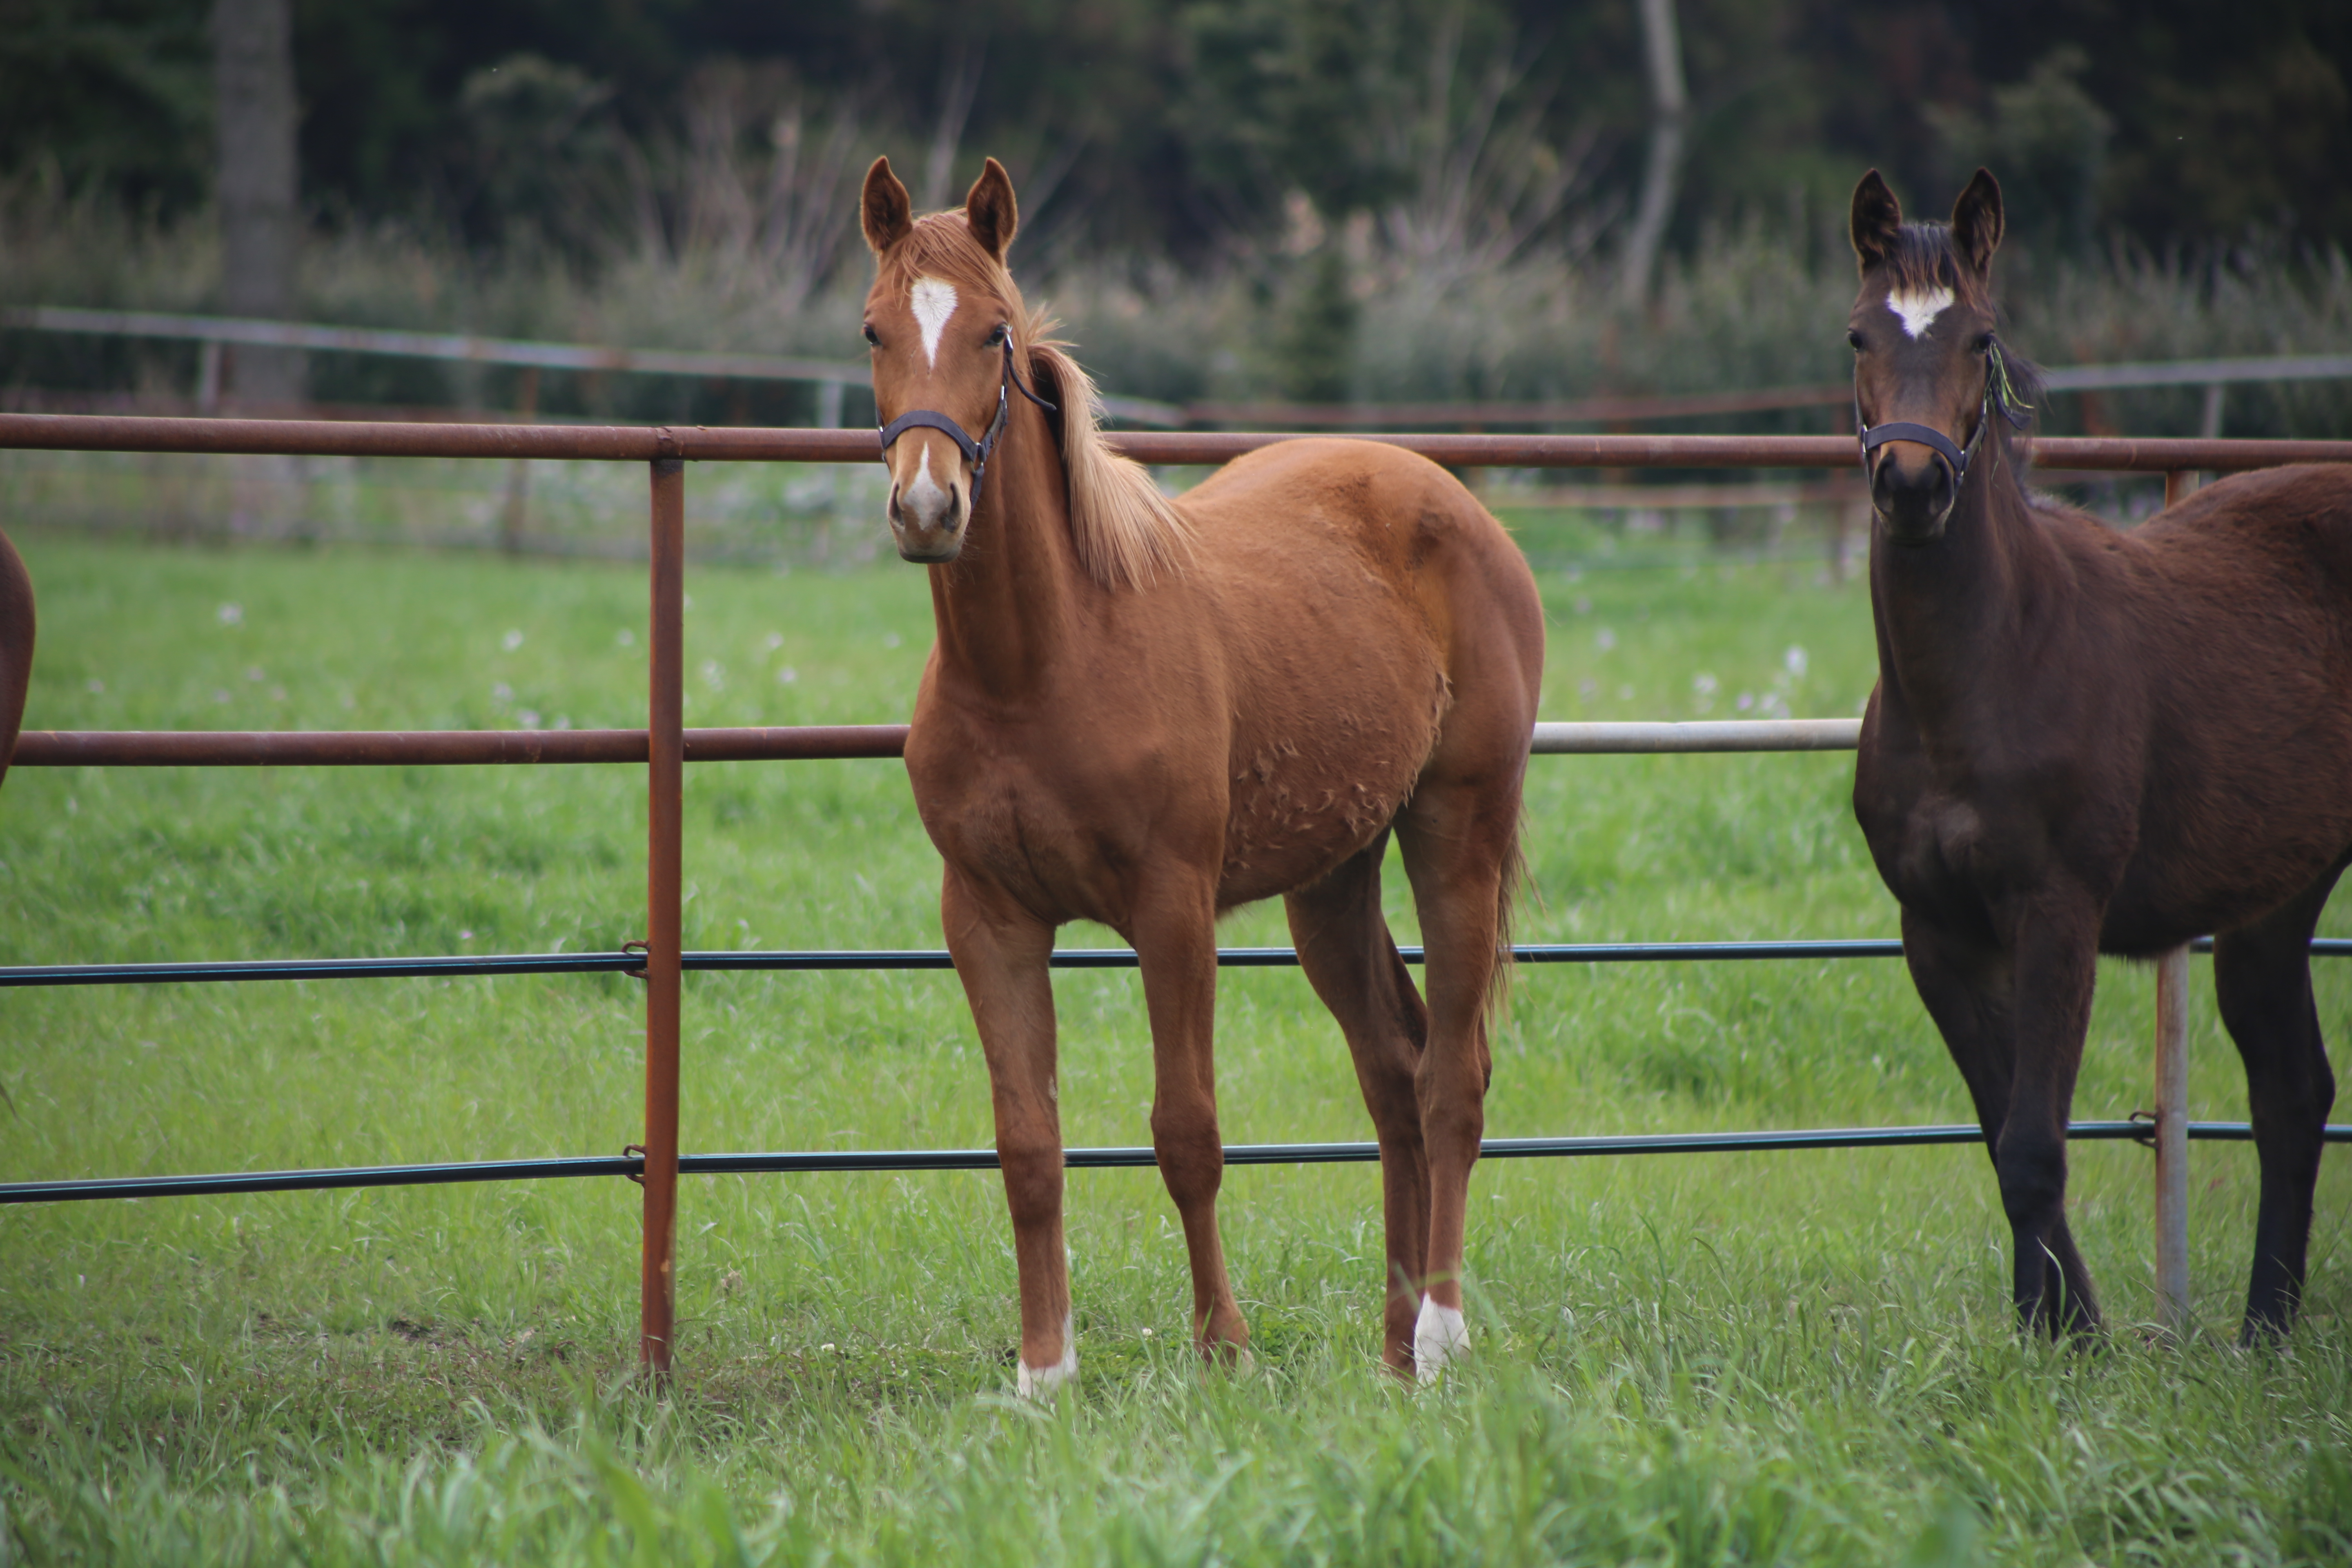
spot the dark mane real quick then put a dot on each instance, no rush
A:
(1922, 258)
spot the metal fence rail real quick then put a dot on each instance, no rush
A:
(809, 961)
(848, 1161)
(665, 745)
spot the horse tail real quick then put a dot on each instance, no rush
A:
(15, 646)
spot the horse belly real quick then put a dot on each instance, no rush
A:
(1305, 798)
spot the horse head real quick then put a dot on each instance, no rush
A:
(1928, 372)
(941, 318)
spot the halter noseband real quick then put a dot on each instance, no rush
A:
(976, 452)
(1998, 395)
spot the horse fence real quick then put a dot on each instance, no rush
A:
(665, 745)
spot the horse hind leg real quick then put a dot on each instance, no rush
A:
(2262, 978)
(1352, 963)
(1460, 842)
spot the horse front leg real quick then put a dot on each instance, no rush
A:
(2054, 968)
(1001, 955)
(1351, 960)
(1175, 938)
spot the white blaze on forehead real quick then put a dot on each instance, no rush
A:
(1917, 308)
(934, 301)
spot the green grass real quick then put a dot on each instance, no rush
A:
(1795, 1357)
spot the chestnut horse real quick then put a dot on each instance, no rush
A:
(2087, 739)
(15, 646)
(1146, 712)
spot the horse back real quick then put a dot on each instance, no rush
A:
(1376, 622)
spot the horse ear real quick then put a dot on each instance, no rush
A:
(885, 209)
(1876, 217)
(1976, 221)
(991, 212)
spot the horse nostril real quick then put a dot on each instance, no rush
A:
(894, 516)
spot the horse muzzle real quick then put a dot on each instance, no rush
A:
(1912, 488)
(927, 519)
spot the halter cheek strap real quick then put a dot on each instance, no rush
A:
(976, 452)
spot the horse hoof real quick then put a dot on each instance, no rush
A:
(1439, 1337)
(1042, 1381)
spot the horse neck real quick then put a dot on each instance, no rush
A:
(1005, 606)
(1948, 612)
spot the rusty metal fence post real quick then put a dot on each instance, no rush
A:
(665, 791)
(2172, 1096)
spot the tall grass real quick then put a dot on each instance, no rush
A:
(1789, 1358)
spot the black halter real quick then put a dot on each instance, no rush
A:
(1998, 397)
(976, 452)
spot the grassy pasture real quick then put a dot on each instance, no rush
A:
(1757, 1358)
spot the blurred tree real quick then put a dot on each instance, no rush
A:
(1176, 131)
(253, 97)
(2048, 142)
(110, 95)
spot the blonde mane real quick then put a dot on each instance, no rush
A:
(1124, 532)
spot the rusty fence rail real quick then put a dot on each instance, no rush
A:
(665, 745)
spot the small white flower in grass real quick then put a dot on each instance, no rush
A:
(97, 687)
(1745, 700)
(511, 641)
(787, 675)
(891, 639)
(529, 719)
(1147, 1333)
(1794, 661)
(253, 672)
(219, 695)
(712, 676)
(231, 614)
(827, 1348)
(775, 641)
(501, 692)
(1582, 607)
(562, 722)
(465, 936)
(1605, 639)
(625, 638)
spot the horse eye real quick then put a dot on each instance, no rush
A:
(1984, 344)
(996, 338)
(871, 337)
(1856, 339)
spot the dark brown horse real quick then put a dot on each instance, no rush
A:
(15, 646)
(1145, 712)
(2087, 739)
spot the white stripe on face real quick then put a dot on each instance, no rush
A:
(1917, 310)
(934, 301)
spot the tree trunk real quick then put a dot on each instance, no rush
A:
(1669, 118)
(252, 82)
